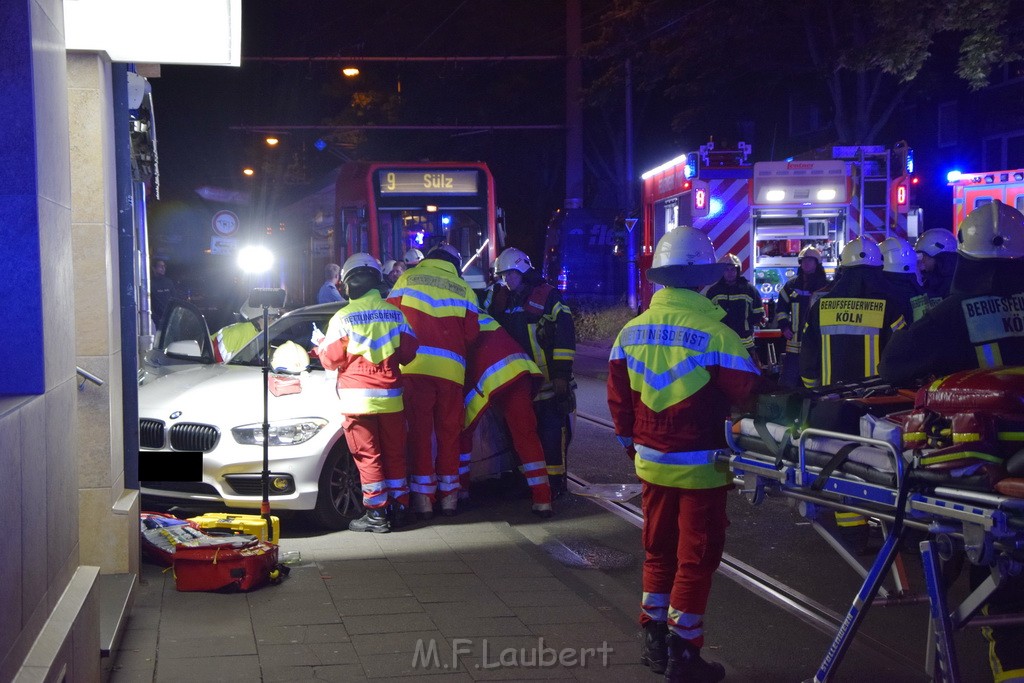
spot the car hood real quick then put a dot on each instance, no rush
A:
(229, 396)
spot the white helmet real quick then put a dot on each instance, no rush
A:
(388, 265)
(994, 230)
(936, 241)
(898, 256)
(412, 256)
(289, 357)
(809, 251)
(685, 257)
(732, 260)
(446, 252)
(360, 260)
(861, 252)
(512, 259)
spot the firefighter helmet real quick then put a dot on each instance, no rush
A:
(446, 252)
(360, 262)
(936, 241)
(898, 256)
(732, 260)
(512, 259)
(388, 265)
(685, 257)
(809, 251)
(412, 256)
(861, 252)
(994, 230)
(289, 357)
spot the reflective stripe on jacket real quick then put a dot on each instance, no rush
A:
(673, 373)
(540, 322)
(229, 340)
(742, 305)
(495, 360)
(443, 311)
(365, 342)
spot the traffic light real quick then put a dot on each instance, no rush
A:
(700, 199)
(900, 194)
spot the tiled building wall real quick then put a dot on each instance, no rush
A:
(39, 551)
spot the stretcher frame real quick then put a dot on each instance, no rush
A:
(987, 528)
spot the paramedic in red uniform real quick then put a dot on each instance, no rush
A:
(366, 341)
(980, 325)
(443, 312)
(795, 300)
(500, 376)
(673, 374)
(532, 311)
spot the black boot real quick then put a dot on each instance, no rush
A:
(375, 520)
(398, 516)
(685, 664)
(653, 646)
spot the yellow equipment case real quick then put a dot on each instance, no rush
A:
(239, 524)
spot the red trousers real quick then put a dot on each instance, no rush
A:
(514, 402)
(684, 537)
(377, 444)
(433, 409)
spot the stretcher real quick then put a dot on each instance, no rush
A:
(833, 471)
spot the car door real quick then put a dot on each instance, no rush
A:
(183, 340)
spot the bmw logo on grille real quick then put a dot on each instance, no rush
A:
(176, 414)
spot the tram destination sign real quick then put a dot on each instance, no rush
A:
(428, 181)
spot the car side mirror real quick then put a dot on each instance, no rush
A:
(186, 347)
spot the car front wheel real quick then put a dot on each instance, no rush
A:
(340, 496)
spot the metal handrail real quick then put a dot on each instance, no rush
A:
(88, 376)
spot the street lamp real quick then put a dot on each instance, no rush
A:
(247, 171)
(350, 72)
(271, 140)
(256, 260)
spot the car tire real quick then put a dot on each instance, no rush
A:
(340, 495)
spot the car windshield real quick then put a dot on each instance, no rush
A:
(295, 328)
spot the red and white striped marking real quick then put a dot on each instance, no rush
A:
(730, 230)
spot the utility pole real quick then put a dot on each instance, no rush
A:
(631, 204)
(573, 107)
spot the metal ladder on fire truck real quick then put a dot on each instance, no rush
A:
(871, 167)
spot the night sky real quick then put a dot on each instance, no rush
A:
(200, 110)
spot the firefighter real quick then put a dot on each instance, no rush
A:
(229, 340)
(443, 312)
(412, 257)
(849, 325)
(795, 300)
(936, 250)
(673, 373)
(500, 376)
(980, 325)
(532, 311)
(366, 342)
(739, 299)
(899, 267)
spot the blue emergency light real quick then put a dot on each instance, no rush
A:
(715, 207)
(953, 176)
(446, 219)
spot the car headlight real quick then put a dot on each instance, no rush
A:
(282, 432)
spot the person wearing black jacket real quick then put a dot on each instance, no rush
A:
(740, 300)
(937, 253)
(980, 325)
(795, 300)
(899, 267)
(850, 325)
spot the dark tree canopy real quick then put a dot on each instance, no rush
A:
(861, 56)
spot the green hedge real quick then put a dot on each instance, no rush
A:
(599, 322)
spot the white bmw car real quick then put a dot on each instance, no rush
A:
(188, 402)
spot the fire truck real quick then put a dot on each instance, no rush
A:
(971, 190)
(766, 212)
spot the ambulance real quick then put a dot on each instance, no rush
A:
(971, 190)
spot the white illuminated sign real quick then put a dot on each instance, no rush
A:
(202, 32)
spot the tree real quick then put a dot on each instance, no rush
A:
(731, 57)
